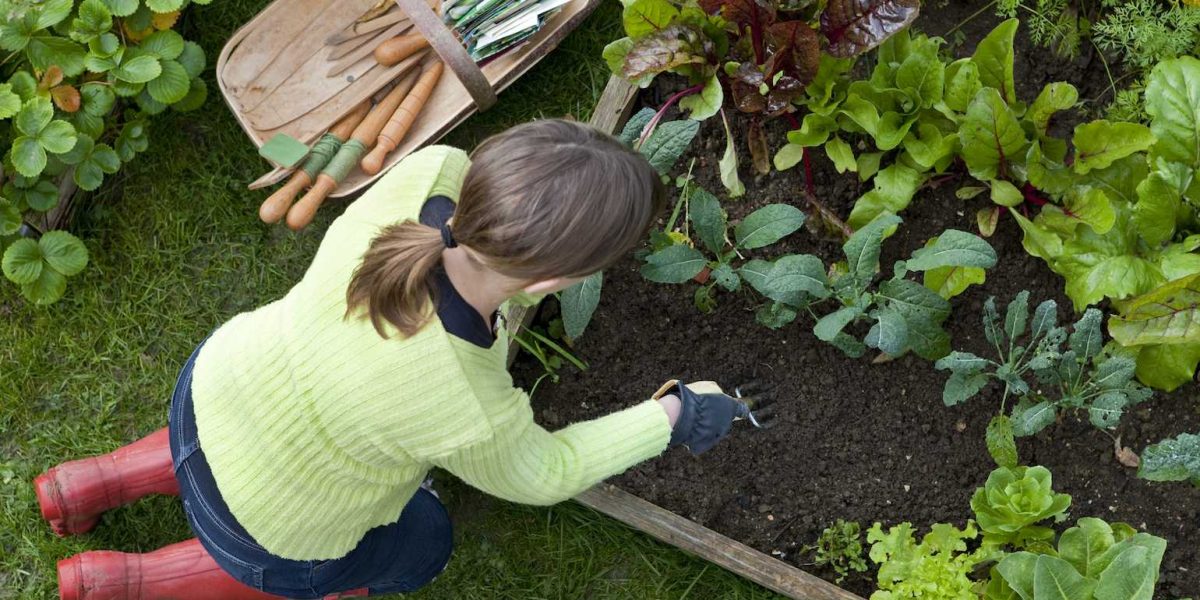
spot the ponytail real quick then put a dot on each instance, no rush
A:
(395, 282)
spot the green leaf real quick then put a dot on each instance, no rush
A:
(164, 6)
(757, 273)
(172, 85)
(1167, 366)
(63, 252)
(1000, 442)
(1132, 574)
(47, 289)
(729, 165)
(1086, 340)
(775, 315)
(705, 104)
(1045, 318)
(814, 130)
(1030, 418)
(1017, 316)
(98, 99)
(1173, 103)
(197, 94)
(10, 103)
(16, 33)
(1084, 544)
(614, 56)
(1169, 314)
(579, 303)
(949, 282)
(862, 249)
(928, 146)
(1053, 98)
(44, 51)
(10, 218)
(644, 17)
(768, 225)
(1005, 193)
(797, 274)
(923, 75)
(894, 190)
(58, 137)
(831, 325)
(788, 156)
(1045, 169)
(1044, 577)
(726, 277)
(673, 264)
(841, 155)
(706, 215)
(953, 248)
(961, 387)
(28, 156)
(962, 83)
(146, 67)
(34, 116)
(889, 333)
(41, 196)
(53, 12)
(991, 136)
(1037, 240)
(1099, 143)
(94, 19)
(192, 59)
(994, 58)
(1092, 207)
(23, 262)
(131, 140)
(1176, 459)
(122, 8)
(1159, 202)
(165, 44)
(962, 362)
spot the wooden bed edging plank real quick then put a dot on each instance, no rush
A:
(611, 112)
(705, 543)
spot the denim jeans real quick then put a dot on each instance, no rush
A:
(395, 558)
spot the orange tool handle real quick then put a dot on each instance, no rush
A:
(402, 120)
(399, 48)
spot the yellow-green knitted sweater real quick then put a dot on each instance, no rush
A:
(317, 429)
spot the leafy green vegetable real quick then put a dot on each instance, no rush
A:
(937, 568)
(1077, 377)
(579, 303)
(41, 267)
(840, 547)
(1012, 502)
(1175, 459)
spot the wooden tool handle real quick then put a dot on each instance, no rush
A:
(399, 48)
(278, 203)
(369, 129)
(302, 212)
(402, 120)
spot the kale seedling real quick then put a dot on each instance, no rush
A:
(904, 315)
(1075, 377)
(840, 547)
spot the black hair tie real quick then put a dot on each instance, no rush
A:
(448, 237)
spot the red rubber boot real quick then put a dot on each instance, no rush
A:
(182, 571)
(73, 494)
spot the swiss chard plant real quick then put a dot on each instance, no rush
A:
(1138, 248)
(759, 53)
(1044, 369)
(80, 79)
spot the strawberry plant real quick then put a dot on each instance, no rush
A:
(80, 81)
(1075, 377)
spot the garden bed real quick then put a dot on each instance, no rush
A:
(859, 441)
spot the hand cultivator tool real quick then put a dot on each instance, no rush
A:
(758, 404)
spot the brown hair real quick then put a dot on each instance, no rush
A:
(546, 199)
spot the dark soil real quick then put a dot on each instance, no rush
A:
(856, 440)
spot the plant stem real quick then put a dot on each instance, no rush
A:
(970, 18)
(695, 89)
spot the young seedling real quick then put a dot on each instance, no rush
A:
(548, 352)
(840, 547)
(903, 314)
(680, 261)
(1076, 376)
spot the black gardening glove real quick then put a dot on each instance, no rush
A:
(706, 414)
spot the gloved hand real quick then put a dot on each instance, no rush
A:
(706, 414)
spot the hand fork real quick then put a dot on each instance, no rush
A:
(757, 404)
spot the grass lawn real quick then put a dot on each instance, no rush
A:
(176, 249)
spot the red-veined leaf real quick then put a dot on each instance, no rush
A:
(855, 26)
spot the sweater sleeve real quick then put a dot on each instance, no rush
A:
(524, 463)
